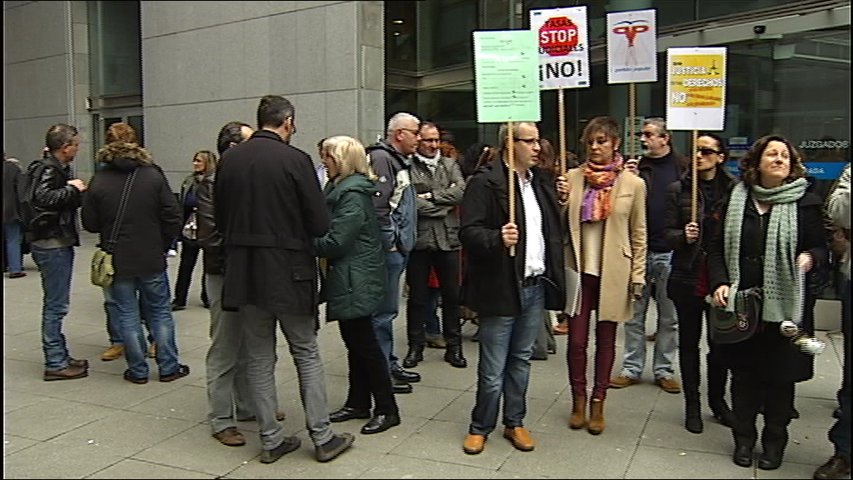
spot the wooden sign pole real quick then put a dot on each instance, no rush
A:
(561, 117)
(632, 112)
(694, 185)
(510, 138)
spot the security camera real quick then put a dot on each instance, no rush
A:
(759, 29)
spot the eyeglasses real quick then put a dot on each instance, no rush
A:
(708, 151)
(529, 141)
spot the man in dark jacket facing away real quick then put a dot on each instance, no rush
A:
(55, 199)
(269, 208)
(510, 293)
(144, 232)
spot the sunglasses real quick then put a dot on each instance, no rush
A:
(708, 151)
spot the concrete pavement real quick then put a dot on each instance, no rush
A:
(105, 427)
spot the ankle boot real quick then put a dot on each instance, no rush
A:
(578, 418)
(596, 416)
(415, 355)
(692, 416)
(453, 356)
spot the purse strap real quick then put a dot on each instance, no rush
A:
(125, 193)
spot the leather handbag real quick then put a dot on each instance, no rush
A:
(741, 324)
(190, 230)
(102, 271)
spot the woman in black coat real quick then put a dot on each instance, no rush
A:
(772, 233)
(688, 281)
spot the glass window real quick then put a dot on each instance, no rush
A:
(114, 48)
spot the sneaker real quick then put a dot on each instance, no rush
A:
(230, 437)
(669, 385)
(623, 381)
(115, 351)
(172, 253)
(334, 447)
(287, 445)
(70, 372)
(183, 371)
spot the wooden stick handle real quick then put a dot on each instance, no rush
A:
(694, 184)
(632, 115)
(510, 149)
(561, 117)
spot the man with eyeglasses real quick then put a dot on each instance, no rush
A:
(510, 293)
(439, 186)
(396, 212)
(659, 166)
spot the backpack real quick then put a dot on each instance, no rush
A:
(33, 219)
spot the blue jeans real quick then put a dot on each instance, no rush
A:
(55, 267)
(666, 344)
(111, 312)
(12, 234)
(154, 296)
(839, 434)
(385, 314)
(506, 344)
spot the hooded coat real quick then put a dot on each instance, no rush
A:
(151, 219)
(356, 279)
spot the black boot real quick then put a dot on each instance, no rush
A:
(404, 376)
(453, 356)
(415, 355)
(692, 415)
(774, 438)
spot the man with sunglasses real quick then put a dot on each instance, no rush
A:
(659, 166)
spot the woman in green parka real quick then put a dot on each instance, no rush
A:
(355, 282)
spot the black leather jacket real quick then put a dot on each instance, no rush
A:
(52, 193)
(209, 237)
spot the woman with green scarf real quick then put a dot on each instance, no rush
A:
(771, 232)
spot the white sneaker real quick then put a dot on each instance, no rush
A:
(172, 253)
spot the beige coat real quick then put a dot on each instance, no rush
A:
(624, 248)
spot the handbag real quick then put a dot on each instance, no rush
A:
(190, 230)
(741, 324)
(102, 271)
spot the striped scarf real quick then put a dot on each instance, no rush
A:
(780, 292)
(596, 204)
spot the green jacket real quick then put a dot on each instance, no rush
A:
(356, 278)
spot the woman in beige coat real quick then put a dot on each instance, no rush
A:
(605, 260)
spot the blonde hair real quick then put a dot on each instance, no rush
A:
(208, 158)
(121, 132)
(349, 156)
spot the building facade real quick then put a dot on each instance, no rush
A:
(180, 70)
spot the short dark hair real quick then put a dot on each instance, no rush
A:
(721, 144)
(231, 132)
(273, 110)
(58, 136)
(604, 124)
(749, 163)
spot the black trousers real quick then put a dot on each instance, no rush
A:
(189, 257)
(690, 309)
(446, 264)
(368, 368)
(751, 393)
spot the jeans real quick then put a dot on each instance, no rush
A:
(386, 312)
(55, 267)
(506, 344)
(259, 327)
(111, 312)
(228, 394)
(839, 434)
(666, 344)
(153, 291)
(14, 257)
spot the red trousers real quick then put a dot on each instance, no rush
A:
(578, 338)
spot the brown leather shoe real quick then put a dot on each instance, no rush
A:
(623, 381)
(474, 444)
(230, 437)
(68, 373)
(578, 418)
(669, 385)
(520, 438)
(835, 467)
(596, 416)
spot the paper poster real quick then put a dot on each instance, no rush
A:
(563, 39)
(632, 47)
(696, 88)
(505, 64)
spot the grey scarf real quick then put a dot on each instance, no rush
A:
(780, 289)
